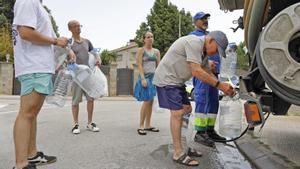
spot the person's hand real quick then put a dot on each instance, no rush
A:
(144, 83)
(61, 41)
(71, 56)
(227, 89)
(213, 66)
(98, 62)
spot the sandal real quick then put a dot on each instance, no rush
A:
(141, 131)
(153, 129)
(186, 160)
(194, 153)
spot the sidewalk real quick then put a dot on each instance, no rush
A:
(260, 155)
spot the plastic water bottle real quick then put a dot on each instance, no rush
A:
(84, 77)
(60, 55)
(61, 88)
(93, 56)
(228, 65)
(230, 116)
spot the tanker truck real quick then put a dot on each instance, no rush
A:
(272, 37)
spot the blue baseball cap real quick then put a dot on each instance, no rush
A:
(200, 15)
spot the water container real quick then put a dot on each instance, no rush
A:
(61, 88)
(60, 55)
(87, 80)
(228, 65)
(230, 116)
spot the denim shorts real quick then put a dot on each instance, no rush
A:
(172, 97)
(39, 82)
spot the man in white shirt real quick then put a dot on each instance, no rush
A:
(34, 65)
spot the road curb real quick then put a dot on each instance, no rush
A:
(259, 155)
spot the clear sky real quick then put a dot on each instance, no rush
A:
(110, 24)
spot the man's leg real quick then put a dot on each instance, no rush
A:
(90, 109)
(176, 124)
(75, 112)
(29, 109)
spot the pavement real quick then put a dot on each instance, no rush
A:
(276, 146)
(116, 146)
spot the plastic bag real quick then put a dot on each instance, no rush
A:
(94, 55)
(102, 85)
(94, 83)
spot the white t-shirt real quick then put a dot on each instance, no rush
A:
(28, 57)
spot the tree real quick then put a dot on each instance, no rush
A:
(6, 8)
(108, 57)
(6, 46)
(242, 59)
(163, 22)
(54, 25)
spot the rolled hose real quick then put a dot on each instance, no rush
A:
(285, 93)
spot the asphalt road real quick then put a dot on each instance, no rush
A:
(117, 145)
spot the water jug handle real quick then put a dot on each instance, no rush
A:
(72, 66)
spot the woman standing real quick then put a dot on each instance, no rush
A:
(147, 60)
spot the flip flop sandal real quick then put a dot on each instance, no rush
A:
(152, 129)
(194, 153)
(185, 160)
(141, 131)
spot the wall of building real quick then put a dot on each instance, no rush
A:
(6, 78)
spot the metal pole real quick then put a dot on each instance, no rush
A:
(179, 26)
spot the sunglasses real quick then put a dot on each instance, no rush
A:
(77, 26)
(205, 18)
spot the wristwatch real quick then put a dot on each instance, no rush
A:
(55, 41)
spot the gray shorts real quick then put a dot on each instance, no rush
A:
(77, 93)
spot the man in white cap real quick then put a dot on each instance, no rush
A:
(187, 57)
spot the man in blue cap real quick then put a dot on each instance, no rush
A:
(206, 96)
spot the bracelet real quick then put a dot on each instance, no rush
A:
(217, 84)
(55, 41)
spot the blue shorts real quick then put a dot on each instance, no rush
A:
(172, 97)
(39, 82)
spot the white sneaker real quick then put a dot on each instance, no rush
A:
(92, 127)
(75, 129)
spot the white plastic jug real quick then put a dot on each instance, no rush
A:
(230, 116)
(61, 88)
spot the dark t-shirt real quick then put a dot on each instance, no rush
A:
(81, 50)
